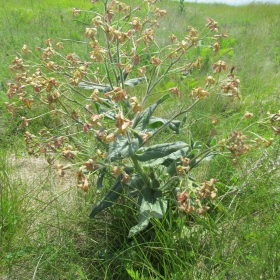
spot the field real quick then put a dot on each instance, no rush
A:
(45, 232)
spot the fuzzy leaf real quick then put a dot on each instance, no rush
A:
(102, 88)
(143, 224)
(185, 152)
(151, 203)
(151, 206)
(141, 121)
(156, 122)
(171, 160)
(155, 183)
(121, 148)
(137, 182)
(111, 196)
(134, 82)
(160, 150)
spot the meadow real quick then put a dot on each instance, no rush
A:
(45, 232)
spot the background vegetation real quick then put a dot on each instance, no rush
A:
(44, 228)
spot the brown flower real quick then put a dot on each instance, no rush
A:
(247, 115)
(210, 81)
(122, 123)
(199, 93)
(175, 91)
(219, 66)
(136, 106)
(155, 60)
(118, 94)
(95, 119)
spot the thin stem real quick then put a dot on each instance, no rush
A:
(149, 89)
(108, 75)
(118, 61)
(111, 58)
(37, 117)
(174, 117)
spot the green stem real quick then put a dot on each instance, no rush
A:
(37, 117)
(150, 88)
(173, 118)
(140, 171)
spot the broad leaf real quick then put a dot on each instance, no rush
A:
(151, 203)
(102, 88)
(156, 122)
(155, 184)
(185, 152)
(160, 150)
(122, 148)
(136, 182)
(171, 161)
(111, 196)
(172, 168)
(134, 82)
(143, 224)
(141, 121)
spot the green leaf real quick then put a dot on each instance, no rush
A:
(172, 168)
(111, 196)
(137, 182)
(197, 145)
(160, 150)
(213, 142)
(171, 160)
(134, 82)
(174, 125)
(141, 121)
(228, 51)
(122, 148)
(102, 88)
(156, 122)
(171, 157)
(100, 179)
(143, 224)
(124, 76)
(151, 203)
(184, 120)
(107, 113)
(155, 184)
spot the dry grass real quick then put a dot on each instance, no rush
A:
(49, 198)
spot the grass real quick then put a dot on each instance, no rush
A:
(44, 229)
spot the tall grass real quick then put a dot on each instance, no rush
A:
(44, 230)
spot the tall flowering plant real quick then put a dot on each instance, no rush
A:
(106, 129)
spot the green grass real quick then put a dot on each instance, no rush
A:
(44, 229)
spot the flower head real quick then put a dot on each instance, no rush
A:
(219, 66)
(199, 93)
(175, 91)
(135, 104)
